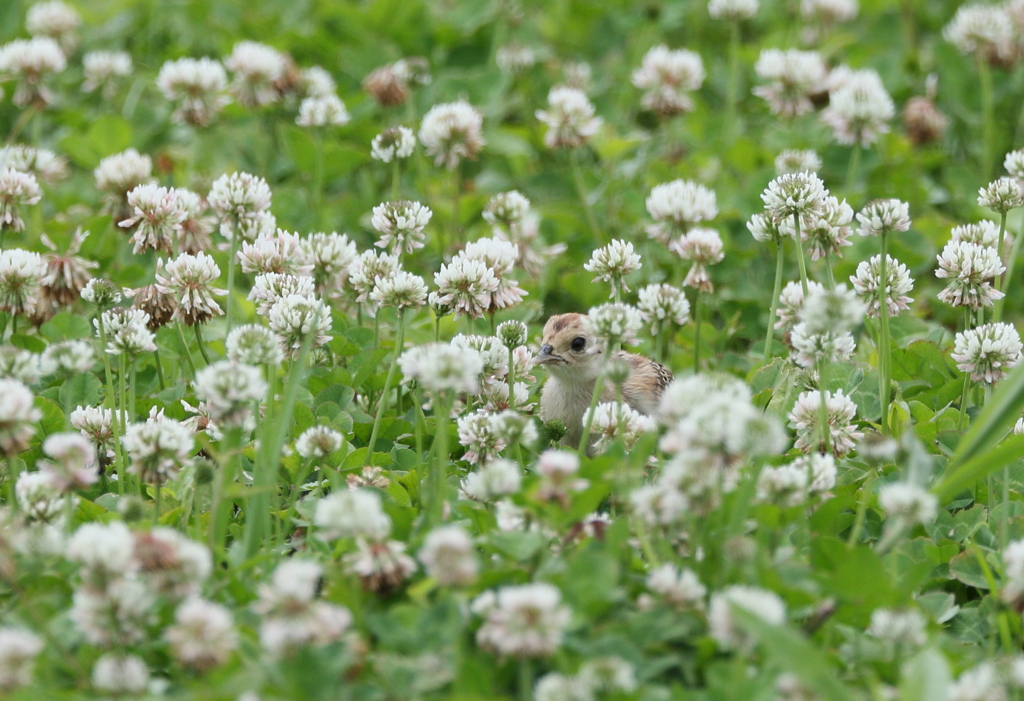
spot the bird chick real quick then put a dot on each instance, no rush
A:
(572, 355)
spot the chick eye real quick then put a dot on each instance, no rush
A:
(579, 343)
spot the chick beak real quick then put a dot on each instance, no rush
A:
(547, 355)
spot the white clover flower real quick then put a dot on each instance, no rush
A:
(274, 252)
(784, 486)
(117, 174)
(30, 62)
(239, 200)
(667, 77)
(500, 256)
(559, 687)
(257, 68)
(796, 161)
(156, 216)
(329, 257)
(569, 118)
(393, 144)
(292, 617)
(1014, 164)
(17, 189)
(492, 351)
(18, 651)
(465, 285)
(401, 225)
(834, 310)
(661, 304)
(826, 230)
(792, 194)
(117, 614)
(987, 352)
(732, 9)
(909, 502)
(984, 31)
(269, 288)
(677, 206)
(983, 233)
(979, 683)
(401, 291)
(615, 421)
(793, 77)
(294, 317)
(493, 480)
(318, 442)
(21, 274)
(173, 565)
(970, 269)
(352, 513)
(616, 323)
(203, 634)
(679, 588)
(451, 132)
(858, 110)
(157, 449)
(104, 69)
(810, 348)
(704, 248)
(608, 674)
(229, 389)
(512, 333)
(43, 163)
(840, 411)
(828, 12)
(72, 463)
(898, 284)
(120, 674)
(322, 111)
(189, 279)
(441, 367)
(56, 20)
(764, 227)
(365, 270)
(612, 263)
(315, 81)
(127, 331)
(254, 345)
(506, 210)
(476, 434)
(39, 496)
(513, 59)
(900, 627)
(96, 424)
(105, 551)
(448, 555)
(525, 621)
(659, 504)
(1001, 195)
(382, 566)
(197, 87)
(722, 625)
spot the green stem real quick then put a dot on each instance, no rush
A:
(220, 511)
(830, 278)
(594, 397)
(131, 390)
(732, 89)
(110, 403)
(435, 509)
(1003, 282)
(511, 376)
(188, 352)
(156, 505)
(581, 190)
(269, 456)
(965, 395)
(394, 180)
(159, 369)
(456, 194)
(826, 433)
(798, 238)
(854, 166)
(987, 117)
(862, 507)
(770, 335)
(399, 340)
(696, 332)
(202, 346)
(884, 342)
(232, 255)
(525, 679)
(318, 176)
